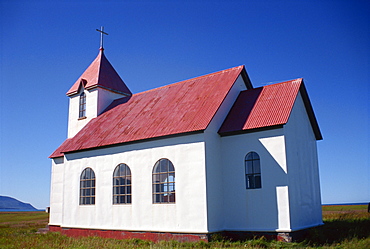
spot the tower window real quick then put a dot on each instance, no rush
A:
(82, 109)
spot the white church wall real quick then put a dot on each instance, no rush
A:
(97, 100)
(74, 124)
(262, 209)
(56, 191)
(214, 159)
(226, 105)
(304, 184)
(105, 99)
(277, 150)
(188, 214)
(214, 182)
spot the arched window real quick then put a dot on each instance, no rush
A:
(82, 108)
(122, 184)
(252, 170)
(163, 182)
(87, 187)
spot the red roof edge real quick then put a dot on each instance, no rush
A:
(246, 78)
(237, 132)
(59, 151)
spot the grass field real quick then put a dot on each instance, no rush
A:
(345, 227)
(344, 208)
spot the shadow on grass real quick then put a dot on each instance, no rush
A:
(336, 231)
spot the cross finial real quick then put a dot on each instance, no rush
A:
(101, 30)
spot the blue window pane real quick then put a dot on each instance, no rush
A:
(116, 181)
(128, 189)
(257, 181)
(163, 166)
(249, 167)
(116, 172)
(256, 166)
(249, 156)
(122, 170)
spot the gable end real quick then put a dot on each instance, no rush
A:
(267, 107)
(310, 112)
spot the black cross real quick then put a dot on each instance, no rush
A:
(101, 30)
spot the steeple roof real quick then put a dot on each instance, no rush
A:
(100, 73)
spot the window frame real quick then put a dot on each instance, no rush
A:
(82, 106)
(163, 182)
(252, 166)
(87, 187)
(122, 174)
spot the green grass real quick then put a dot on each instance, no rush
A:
(345, 227)
(15, 217)
(344, 207)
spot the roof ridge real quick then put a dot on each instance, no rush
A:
(277, 82)
(101, 55)
(195, 78)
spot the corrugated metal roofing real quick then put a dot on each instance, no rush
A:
(182, 107)
(100, 73)
(267, 106)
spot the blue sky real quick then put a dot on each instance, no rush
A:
(46, 45)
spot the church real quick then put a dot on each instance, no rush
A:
(203, 156)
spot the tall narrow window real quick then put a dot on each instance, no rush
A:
(82, 109)
(87, 187)
(163, 182)
(252, 170)
(122, 184)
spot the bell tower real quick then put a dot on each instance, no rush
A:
(94, 90)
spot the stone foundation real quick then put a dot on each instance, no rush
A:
(119, 234)
(182, 237)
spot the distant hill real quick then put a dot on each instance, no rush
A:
(11, 203)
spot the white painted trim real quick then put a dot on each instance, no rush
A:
(282, 196)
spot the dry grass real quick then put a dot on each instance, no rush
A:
(344, 228)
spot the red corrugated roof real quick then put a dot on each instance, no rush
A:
(267, 106)
(100, 73)
(186, 106)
